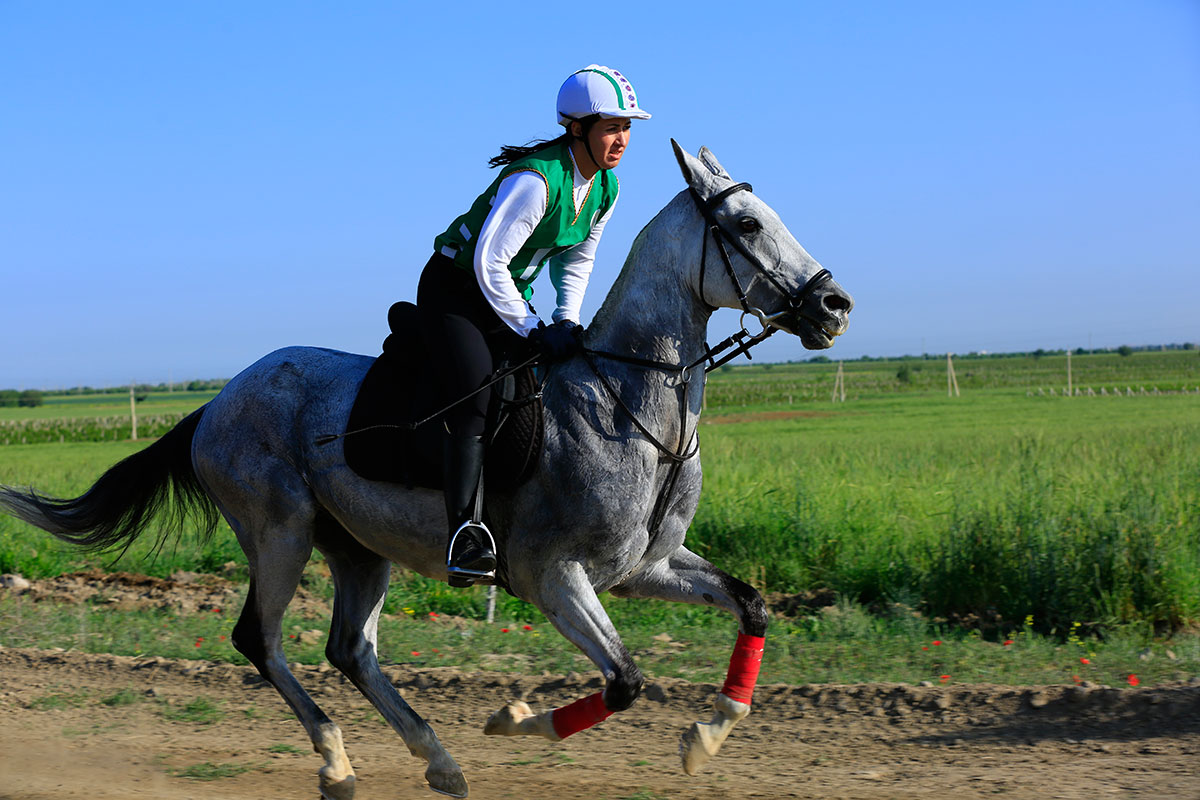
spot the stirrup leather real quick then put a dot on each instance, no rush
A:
(473, 575)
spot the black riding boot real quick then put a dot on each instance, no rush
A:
(470, 553)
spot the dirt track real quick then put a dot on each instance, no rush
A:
(868, 741)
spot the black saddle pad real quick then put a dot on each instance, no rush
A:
(396, 391)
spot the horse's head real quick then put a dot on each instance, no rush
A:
(751, 261)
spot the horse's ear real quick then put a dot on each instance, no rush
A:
(700, 176)
(687, 164)
(713, 165)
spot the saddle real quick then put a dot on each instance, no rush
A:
(396, 392)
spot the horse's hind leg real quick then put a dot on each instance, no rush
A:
(360, 585)
(277, 555)
(567, 598)
(688, 578)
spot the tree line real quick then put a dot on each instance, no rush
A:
(1124, 350)
(11, 398)
(212, 385)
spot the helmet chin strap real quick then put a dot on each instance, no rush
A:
(587, 144)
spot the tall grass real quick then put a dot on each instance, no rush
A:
(85, 429)
(996, 507)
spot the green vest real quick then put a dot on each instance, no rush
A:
(561, 228)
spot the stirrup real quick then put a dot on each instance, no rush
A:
(462, 576)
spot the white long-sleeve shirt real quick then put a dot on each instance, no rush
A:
(519, 207)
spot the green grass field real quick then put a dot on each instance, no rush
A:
(806, 383)
(89, 406)
(993, 505)
(1000, 510)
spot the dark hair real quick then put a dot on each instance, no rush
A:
(512, 152)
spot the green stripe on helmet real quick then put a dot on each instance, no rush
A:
(615, 85)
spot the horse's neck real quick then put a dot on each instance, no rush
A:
(652, 310)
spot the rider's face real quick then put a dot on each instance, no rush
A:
(608, 139)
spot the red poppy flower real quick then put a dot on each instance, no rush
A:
(1007, 642)
(924, 647)
(1133, 680)
(433, 614)
(1084, 661)
(944, 678)
(504, 630)
(528, 627)
(416, 652)
(937, 642)
(1075, 678)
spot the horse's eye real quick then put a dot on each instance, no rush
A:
(748, 224)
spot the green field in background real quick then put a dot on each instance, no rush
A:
(987, 508)
(106, 405)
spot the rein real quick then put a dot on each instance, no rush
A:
(741, 341)
(497, 376)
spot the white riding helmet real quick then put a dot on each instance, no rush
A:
(597, 90)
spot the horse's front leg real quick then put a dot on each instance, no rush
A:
(688, 578)
(570, 603)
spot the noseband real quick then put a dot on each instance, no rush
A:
(720, 236)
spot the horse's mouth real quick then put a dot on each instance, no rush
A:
(813, 335)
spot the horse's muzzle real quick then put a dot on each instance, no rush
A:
(822, 317)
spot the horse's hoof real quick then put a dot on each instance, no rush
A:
(696, 747)
(447, 781)
(507, 720)
(337, 790)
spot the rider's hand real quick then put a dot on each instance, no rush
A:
(558, 342)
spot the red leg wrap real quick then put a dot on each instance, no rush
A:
(580, 715)
(743, 668)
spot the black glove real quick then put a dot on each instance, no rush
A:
(558, 342)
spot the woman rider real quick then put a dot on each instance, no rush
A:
(549, 205)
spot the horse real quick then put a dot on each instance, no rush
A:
(606, 509)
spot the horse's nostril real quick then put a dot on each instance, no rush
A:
(836, 302)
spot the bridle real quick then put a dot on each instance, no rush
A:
(741, 341)
(720, 236)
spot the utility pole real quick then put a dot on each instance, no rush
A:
(133, 411)
(1069, 390)
(951, 378)
(839, 386)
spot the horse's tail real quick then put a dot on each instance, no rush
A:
(126, 498)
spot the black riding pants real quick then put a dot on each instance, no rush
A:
(464, 339)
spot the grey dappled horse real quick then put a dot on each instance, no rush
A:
(607, 509)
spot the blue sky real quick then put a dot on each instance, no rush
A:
(185, 187)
